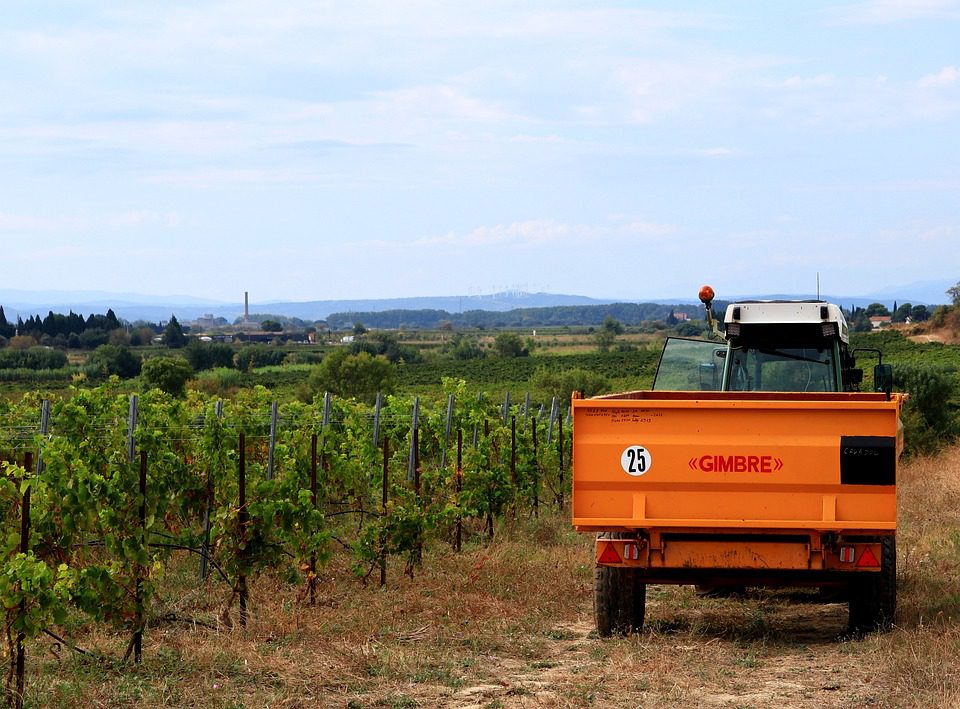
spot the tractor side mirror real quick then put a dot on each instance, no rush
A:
(883, 378)
(853, 377)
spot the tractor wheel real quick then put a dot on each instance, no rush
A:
(873, 597)
(619, 600)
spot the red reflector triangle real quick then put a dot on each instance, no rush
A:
(610, 555)
(868, 558)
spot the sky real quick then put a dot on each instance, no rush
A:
(311, 150)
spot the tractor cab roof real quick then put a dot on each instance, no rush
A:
(813, 316)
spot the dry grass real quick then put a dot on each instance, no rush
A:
(510, 625)
(928, 540)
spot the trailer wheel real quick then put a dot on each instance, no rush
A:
(619, 600)
(873, 597)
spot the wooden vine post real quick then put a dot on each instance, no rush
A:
(560, 449)
(446, 431)
(24, 548)
(272, 441)
(489, 462)
(459, 541)
(536, 469)
(312, 583)
(513, 450)
(513, 460)
(242, 524)
(138, 600)
(208, 509)
(383, 509)
(418, 550)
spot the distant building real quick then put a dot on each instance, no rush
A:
(681, 317)
(208, 322)
(880, 321)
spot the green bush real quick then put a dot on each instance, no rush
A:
(219, 381)
(509, 344)
(169, 374)
(462, 347)
(929, 420)
(36, 376)
(111, 359)
(561, 382)
(252, 356)
(204, 355)
(358, 376)
(387, 345)
(33, 358)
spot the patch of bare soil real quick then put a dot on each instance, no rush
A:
(946, 336)
(928, 337)
(783, 651)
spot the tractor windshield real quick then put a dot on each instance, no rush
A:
(782, 369)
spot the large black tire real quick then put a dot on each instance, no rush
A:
(620, 598)
(873, 597)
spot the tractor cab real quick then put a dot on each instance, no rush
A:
(770, 345)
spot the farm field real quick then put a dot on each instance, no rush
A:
(509, 624)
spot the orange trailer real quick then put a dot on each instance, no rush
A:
(742, 486)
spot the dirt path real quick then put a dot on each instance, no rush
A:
(798, 660)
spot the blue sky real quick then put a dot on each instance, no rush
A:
(318, 150)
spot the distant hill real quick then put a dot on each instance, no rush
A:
(920, 292)
(155, 309)
(128, 306)
(133, 306)
(497, 302)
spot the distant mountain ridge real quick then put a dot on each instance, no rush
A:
(156, 309)
(133, 306)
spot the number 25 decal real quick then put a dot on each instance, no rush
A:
(636, 460)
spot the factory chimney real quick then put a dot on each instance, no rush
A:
(246, 306)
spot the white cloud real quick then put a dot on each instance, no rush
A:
(805, 82)
(655, 89)
(523, 138)
(532, 232)
(141, 217)
(834, 102)
(20, 223)
(945, 236)
(948, 76)
(537, 232)
(718, 152)
(28, 223)
(895, 11)
(439, 101)
(207, 177)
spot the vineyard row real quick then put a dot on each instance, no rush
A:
(120, 484)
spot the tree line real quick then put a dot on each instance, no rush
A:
(65, 331)
(556, 316)
(57, 324)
